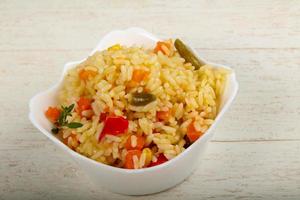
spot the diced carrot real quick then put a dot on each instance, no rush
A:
(129, 158)
(139, 75)
(159, 47)
(85, 74)
(52, 114)
(106, 109)
(131, 84)
(192, 133)
(163, 115)
(140, 142)
(83, 104)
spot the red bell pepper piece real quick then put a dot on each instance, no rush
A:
(102, 117)
(114, 125)
(160, 160)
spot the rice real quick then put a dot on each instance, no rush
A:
(187, 98)
(133, 141)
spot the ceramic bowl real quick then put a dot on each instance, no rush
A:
(125, 181)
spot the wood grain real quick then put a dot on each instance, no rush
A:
(255, 151)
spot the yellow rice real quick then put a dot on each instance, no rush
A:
(192, 95)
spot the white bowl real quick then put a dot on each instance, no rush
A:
(125, 181)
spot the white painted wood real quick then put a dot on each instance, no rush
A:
(255, 152)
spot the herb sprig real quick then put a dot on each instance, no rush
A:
(62, 119)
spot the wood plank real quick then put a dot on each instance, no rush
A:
(221, 24)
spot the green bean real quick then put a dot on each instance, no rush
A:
(186, 53)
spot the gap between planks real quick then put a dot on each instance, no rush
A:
(255, 141)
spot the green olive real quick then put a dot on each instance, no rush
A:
(142, 99)
(186, 53)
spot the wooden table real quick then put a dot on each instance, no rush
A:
(255, 153)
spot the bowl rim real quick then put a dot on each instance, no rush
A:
(167, 164)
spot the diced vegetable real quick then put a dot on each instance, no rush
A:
(192, 133)
(164, 47)
(74, 125)
(59, 118)
(135, 142)
(131, 84)
(104, 114)
(139, 75)
(187, 142)
(161, 159)
(115, 47)
(55, 130)
(129, 164)
(148, 154)
(52, 114)
(85, 74)
(83, 104)
(188, 54)
(142, 99)
(114, 125)
(102, 117)
(163, 115)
